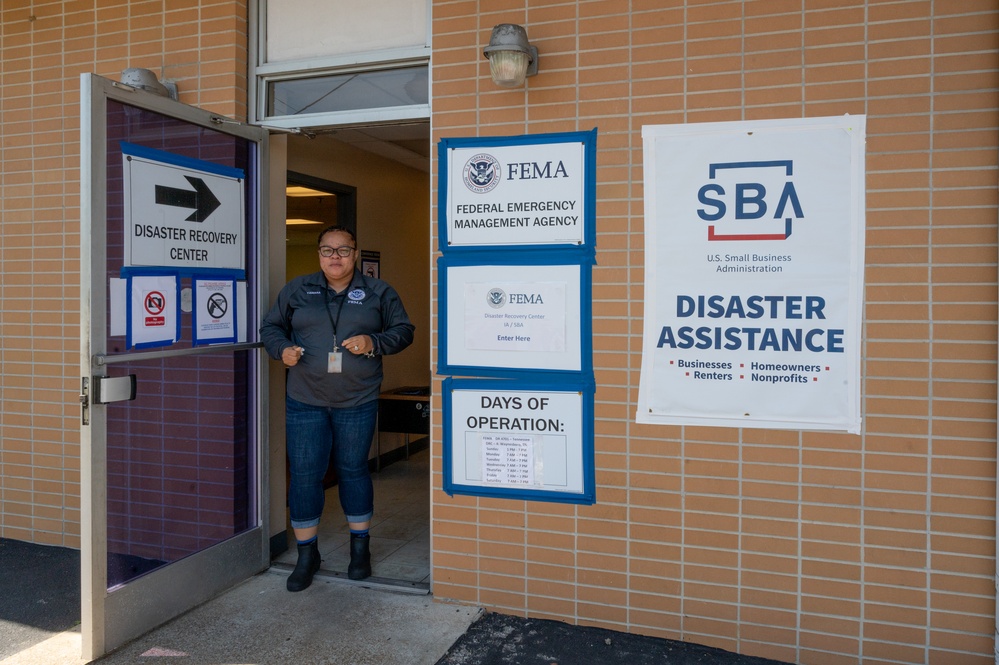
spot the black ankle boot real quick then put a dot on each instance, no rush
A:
(308, 564)
(360, 558)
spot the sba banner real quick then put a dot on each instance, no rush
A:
(754, 274)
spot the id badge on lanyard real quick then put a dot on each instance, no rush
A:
(334, 363)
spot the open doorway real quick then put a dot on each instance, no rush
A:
(375, 180)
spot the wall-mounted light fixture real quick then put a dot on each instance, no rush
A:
(511, 57)
(143, 79)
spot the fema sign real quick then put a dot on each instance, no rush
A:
(754, 274)
(530, 190)
(523, 316)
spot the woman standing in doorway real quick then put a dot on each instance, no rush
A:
(331, 328)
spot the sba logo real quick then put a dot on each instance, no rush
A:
(750, 199)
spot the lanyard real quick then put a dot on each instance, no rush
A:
(326, 300)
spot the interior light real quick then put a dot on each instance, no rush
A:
(308, 207)
(298, 190)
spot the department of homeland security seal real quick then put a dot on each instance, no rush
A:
(481, 173)
(356, 294)
(496, 298)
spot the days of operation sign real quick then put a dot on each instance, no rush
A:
(516, 439)
(527, 194)
(182, 212)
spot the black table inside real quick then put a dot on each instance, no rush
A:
(403, 411)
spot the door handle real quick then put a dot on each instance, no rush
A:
(109, 389)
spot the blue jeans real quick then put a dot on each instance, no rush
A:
(312, 432)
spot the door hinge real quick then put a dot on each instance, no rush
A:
(85, 400)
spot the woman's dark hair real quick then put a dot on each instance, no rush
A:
(339, 229)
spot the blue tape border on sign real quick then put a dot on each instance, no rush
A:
(204, 273)
(520, 258)
(190, 163)
(544, 384)
(589, 141)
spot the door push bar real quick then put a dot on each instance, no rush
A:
(107, 389)
(102, 359)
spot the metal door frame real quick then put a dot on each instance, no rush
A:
(109, 620)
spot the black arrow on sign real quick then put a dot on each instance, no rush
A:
(202, 200)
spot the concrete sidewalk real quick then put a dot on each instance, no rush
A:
(259, 622)
(335, 622)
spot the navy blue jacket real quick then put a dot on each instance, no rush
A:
(300, 317)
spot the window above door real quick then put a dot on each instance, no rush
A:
(324, 63)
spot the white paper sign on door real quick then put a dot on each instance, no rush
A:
(153, 310)
(214, 311)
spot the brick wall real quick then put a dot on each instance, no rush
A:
(44, 47)
(800, 546)
(818, 548)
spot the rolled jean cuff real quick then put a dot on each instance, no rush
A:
(354, 519)
(304, 524)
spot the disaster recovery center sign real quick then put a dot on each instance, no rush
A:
(754, 274)
(182, 212)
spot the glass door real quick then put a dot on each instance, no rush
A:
(173, 497)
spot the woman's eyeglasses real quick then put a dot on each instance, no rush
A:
(328, 251)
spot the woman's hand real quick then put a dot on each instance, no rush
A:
(358, 344)
(292, 355)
